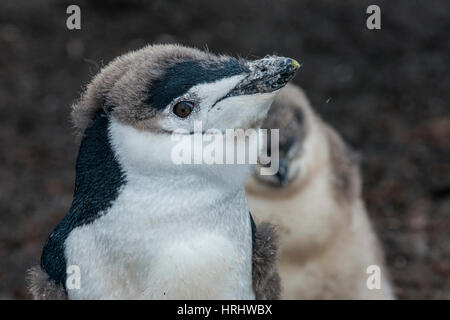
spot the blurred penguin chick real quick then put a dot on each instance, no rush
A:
(326, 240)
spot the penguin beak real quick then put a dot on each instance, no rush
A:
(283, 172)
(266, 75)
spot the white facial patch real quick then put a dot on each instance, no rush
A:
(233, 112)
(203, 96)
(209, 93)
(240, 111)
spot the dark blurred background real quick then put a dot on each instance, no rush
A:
(386, 91)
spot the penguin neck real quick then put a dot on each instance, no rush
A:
(146, 159)
(99, 179)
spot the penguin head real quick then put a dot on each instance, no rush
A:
(162, 88)
(149, 94)
(290, 114)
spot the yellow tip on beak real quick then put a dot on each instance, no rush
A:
(295, 63)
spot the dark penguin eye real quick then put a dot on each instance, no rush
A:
(183, 108)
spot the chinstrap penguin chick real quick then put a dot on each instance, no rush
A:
(142, 227)
(326, 239)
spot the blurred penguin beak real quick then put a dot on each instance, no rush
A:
(283, 172)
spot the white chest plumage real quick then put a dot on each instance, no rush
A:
(177, 235)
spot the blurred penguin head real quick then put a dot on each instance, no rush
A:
(288, 115)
